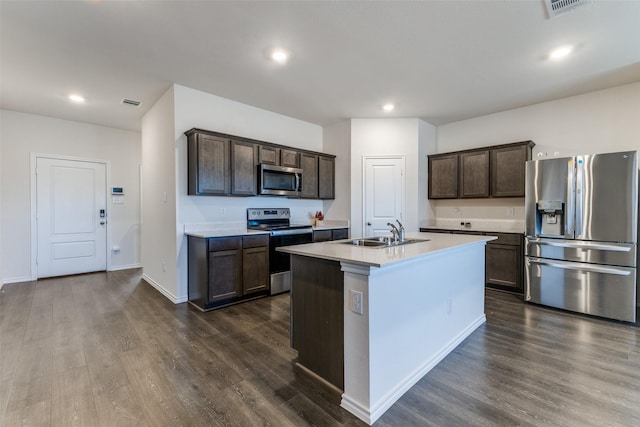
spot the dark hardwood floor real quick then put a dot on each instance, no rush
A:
(107, 349)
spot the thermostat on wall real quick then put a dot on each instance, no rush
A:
(117, 191)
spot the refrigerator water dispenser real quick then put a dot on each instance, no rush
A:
(551, 213)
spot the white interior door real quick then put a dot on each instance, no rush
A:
(383, 194)
(71, 217)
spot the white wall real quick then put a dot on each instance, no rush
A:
(337, 141)
(159, 197)
(596, 122)
(165, 159)
(23, 134)
(408, 137)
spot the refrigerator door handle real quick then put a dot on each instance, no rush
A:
(579, 194)
(580, 267)
(598, 246)
(571, 197)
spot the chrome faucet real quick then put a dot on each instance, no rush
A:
(401, 232)
(395, 232)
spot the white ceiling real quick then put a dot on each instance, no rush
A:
(441, 61)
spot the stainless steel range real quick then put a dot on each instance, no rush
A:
(281, 233)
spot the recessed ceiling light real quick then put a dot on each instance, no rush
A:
(78, 99)
(279, 55)
(388, 107)
(560, 52)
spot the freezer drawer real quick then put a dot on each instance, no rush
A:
(599, 290)
(623, 254)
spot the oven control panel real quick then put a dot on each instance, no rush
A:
(262, 214)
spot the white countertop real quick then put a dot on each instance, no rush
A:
(205, 234)
(488, 225)
(329, 227)
(382, 256)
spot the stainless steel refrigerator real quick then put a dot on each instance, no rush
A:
(581, 216)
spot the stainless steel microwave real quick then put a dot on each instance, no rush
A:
(279, 180)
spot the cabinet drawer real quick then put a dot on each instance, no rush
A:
(340, 234)
(321, 235)
(505, 238)
(255, 241)
(225, 243)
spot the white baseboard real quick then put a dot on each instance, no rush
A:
(16, 280)
(370, 415)
(174, 299)
(125, 267)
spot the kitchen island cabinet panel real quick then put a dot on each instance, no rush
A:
(317, 306)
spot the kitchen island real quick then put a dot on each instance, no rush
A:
(372, 321)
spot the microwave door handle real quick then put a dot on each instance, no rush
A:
(298, 182)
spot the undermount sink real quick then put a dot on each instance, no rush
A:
(380, 242)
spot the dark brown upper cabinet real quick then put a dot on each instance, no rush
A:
(443, 176)
(474, 174)
(326, 177)
(268, 155)
(226, 165)
(243, 168)
(309, 166)
(208, 165)
(507, 170)
(496, 171)
(289, 158)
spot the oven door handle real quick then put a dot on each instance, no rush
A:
(291, 232)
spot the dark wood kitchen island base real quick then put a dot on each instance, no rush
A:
(317, 318)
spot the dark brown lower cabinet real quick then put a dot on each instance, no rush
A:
(504, 262)
(227, 270)
(255, 261)
(504, 259)
(328, 235)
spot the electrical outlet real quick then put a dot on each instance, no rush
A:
(164, 266)
(510, 211)
(449, 306)
(223, 211)
(355, 301)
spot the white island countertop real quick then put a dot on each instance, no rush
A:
(382, 256)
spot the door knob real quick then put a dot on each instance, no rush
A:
(368, 223)
(102, 222)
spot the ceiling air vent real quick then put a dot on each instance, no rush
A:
(131, 102)
(556, 7)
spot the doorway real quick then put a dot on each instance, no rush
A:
(69, 219)
(383, 196)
